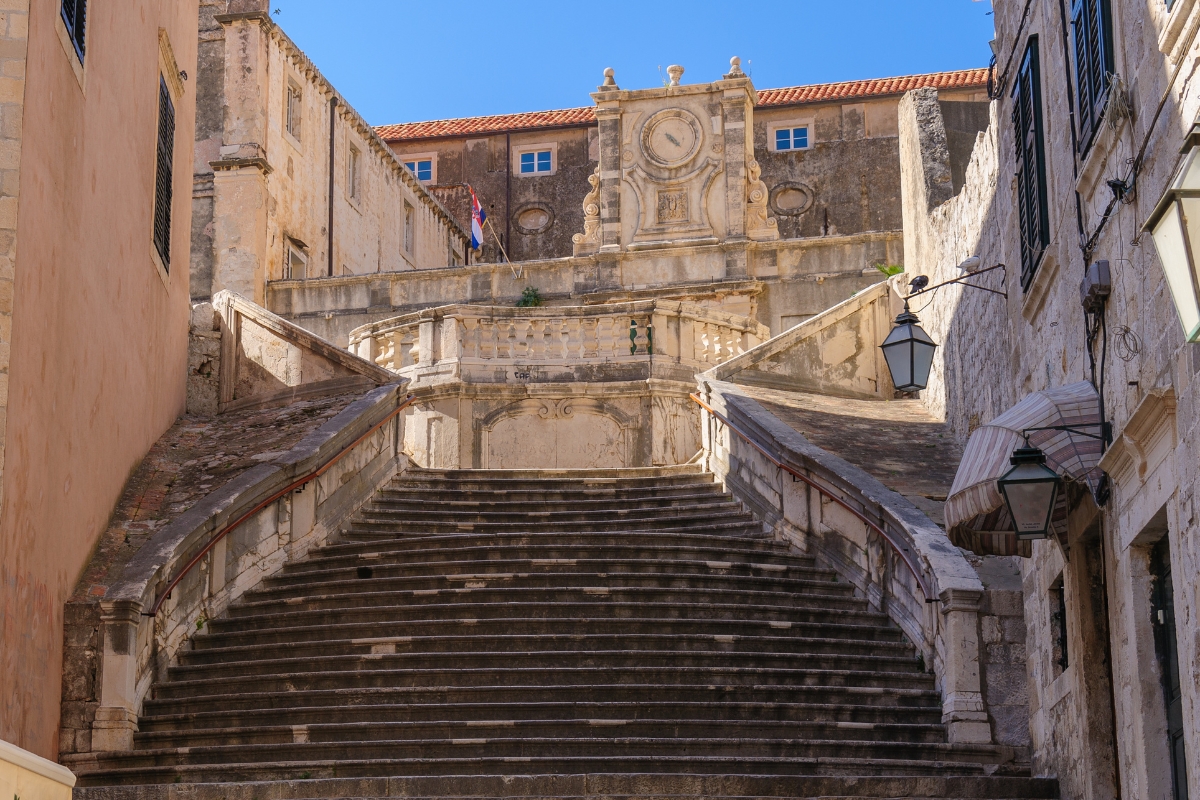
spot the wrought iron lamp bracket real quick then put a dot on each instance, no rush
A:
(960, 282)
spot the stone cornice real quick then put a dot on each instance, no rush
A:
(1147, 438)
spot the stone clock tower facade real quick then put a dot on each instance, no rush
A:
(677, 170)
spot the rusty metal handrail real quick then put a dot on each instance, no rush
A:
(901, 550)
(228, 529)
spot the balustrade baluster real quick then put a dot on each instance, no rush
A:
(589, 339)
(538, 328)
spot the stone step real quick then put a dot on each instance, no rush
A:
(542, 555)
(598, 728)
(391, 500)
(550, 660)
(571, 475)
(374, 565)
(663, 541)
(789, 764)
(648, 708)
(481, 481)
(730, 523)
(546, 675)
(552, 642)
(965, 758)
(605, 786)
(455, 615)
(872, 628)
(467, 619)
(921, 698)
(302, 592)
(551, 512)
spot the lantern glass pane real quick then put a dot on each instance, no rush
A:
(1189, 173)
(1172, 249)
(922, 362)
(899, 361)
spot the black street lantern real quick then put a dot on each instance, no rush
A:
(908, 351)
(1030, 490)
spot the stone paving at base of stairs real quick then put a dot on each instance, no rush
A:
(897, 442)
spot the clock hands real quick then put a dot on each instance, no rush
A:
(672, 139)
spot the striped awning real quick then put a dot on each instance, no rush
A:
(976, 517)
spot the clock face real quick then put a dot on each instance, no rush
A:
(671, 137)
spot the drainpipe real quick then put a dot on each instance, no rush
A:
(332, 150)
(507, 192)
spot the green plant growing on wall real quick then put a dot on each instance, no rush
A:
(889, 269)
(530, 298)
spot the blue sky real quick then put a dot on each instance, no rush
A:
(410, 60)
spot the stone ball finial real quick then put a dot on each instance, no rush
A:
(674, 72)
(735, 67)
(609, 81)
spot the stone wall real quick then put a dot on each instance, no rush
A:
(847, 182)
(262, 173)
(1103, 715)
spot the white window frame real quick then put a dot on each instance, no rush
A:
(789, 125)
(292, 248)
(520, 150)
(289, 85)
(408, 158)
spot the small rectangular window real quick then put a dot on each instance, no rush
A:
(164, 173)
(74, 16)
(297, 263)
(1032, 203)
(408, 228)
(791, 138)
(1091, 23)
(352, 173)
(537, 161)
(292, 112)
(423, 169)
(1058, 625)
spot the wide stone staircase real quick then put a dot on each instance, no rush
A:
(618, 633)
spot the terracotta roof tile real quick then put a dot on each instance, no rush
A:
(494, 124)
(823, 92)
(792, 95)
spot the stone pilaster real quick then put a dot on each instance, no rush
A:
(963, 711)
(116, 718)
(609, 117)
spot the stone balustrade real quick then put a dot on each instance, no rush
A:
(450, 340)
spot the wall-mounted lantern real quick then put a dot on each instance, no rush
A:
(1030, 490)
(1175, 226)
(908, 351)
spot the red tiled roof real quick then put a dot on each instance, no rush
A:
(792, 95)
(823, 92)
(494, 124)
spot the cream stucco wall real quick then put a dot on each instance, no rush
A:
(98, 334)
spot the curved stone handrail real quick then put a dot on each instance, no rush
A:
(947, 634)
(684, 332)
(138, 647)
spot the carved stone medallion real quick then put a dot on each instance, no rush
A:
(672, 137)
(672, 206)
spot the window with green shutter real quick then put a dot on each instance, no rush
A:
(163, 174)
(1032, 209)
(1091, 24)
(74, 16)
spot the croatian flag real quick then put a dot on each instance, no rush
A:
(478, 215)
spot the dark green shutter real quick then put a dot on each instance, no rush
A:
(1032, 205)
(74, 14)
(1091, 24)
(163, 174)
